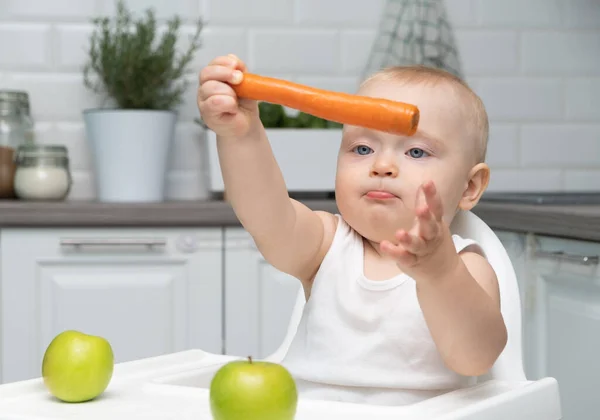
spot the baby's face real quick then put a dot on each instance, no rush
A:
(374, 161)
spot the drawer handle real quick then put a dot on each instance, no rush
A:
(114, 242)
(562, 256)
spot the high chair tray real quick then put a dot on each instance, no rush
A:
(175, 386)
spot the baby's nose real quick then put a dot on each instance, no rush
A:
(385, 169)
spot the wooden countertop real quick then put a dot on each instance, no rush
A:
(571, 221)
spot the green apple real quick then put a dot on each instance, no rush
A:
(77, 367)
(253, 390)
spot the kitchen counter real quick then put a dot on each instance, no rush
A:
(571, 221)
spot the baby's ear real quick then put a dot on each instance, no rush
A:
(479, 178)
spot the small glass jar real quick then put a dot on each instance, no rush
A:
(12, 135)
(29, 126)
(42, 172)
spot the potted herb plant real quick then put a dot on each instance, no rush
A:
(142, 75)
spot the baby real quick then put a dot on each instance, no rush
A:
(398, 308)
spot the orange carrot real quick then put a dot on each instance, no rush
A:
(374, 113)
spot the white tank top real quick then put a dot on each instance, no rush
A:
(366, 341)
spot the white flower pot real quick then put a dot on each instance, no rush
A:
(130, 152)
(307, 158)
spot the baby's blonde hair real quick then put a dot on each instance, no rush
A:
(473, 107)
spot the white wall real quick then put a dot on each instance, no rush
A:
(536, 63)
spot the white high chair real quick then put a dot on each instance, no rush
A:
(509, 366)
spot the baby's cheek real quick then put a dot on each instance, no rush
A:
(450, 196)
(346, 181)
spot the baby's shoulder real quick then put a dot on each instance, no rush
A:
(465, 244)
(330, 223)
(338, 235)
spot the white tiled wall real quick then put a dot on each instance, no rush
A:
(536, 63)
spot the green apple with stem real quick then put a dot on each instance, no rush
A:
(253, 390)
(77, 367)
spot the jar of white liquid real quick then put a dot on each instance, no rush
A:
(42, 172)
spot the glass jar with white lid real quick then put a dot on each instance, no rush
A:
(42, 172)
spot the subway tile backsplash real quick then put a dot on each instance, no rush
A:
(536, 64)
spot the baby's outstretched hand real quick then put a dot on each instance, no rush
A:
(420, 245)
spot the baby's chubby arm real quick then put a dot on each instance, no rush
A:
(462, 310)
(458, 293)
(289, 235)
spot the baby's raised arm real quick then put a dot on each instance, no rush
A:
(288, 234)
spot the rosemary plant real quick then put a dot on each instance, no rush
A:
(130, 62)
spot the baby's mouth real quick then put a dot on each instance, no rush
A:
(380, 195)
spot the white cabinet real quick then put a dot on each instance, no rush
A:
(559, 282)
(562, 321)
(147, 291)
(258, 298)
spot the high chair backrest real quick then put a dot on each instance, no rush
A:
(509, 365)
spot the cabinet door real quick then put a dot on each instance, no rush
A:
(563, 322)
(258, 298)
(147, 291)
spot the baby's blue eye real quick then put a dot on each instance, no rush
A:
(363, 150)
(416, 153)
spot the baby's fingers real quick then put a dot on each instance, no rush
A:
(229, 60)
(433, 200)
(428, 226)
(400, 253)
(412, 243)
(237, 63)
(218, 106)
(220, 74)
(213, 88)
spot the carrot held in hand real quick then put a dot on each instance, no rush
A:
(374, 113)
